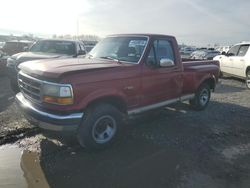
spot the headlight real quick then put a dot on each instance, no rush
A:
(57, 94)
(11, 63)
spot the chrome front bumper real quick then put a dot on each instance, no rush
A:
(44, 120)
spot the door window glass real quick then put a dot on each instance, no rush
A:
(161, 49)
(243, 50)
(164, 50)
(233, 51)
(151, 60)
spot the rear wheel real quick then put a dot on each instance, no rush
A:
(248, 79)
(101, 127)
(202, 97)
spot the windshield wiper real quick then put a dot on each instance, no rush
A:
(110, 58)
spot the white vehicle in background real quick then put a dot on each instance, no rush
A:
(236, 62)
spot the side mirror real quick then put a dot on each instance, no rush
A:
(166, 63)
(81, 52)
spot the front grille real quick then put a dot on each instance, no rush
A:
(30, 87)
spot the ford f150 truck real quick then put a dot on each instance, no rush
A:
(122, 75)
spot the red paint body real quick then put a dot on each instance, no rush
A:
(93, 79)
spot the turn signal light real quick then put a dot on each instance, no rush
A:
(58, 100)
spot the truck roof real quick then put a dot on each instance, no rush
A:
(19, 41)
(142, 34)
(244, 42)
(62, 40)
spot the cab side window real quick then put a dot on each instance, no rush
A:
(151, 60)
(243, 50)
(234, 50)
(161, 49)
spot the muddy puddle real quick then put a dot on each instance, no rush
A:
(135, 163)
(20, 168)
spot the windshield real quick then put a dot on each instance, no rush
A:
(58, 47)
(121, 48)
(10, 45)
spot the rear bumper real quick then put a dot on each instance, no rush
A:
(48, 121)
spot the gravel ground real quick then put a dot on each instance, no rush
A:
(12, 122)
(177, 147)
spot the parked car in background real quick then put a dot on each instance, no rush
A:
(43, 49)
(13, 47)
(3, 62)
(9, 48)
(187, 51)
(202, 48)
(236, 62)
(89, 45)
(123, 75)
(1, 45)
(204, 54)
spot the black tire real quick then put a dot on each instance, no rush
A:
(202, 97)
(248, 79)
(101, 116)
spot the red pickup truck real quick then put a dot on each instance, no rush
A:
(123, 75)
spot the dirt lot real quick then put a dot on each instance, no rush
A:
(177, 147)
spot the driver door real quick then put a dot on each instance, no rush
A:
(239, 62)
(160, 84)
(227, 61)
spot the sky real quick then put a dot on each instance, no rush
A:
(195, 22)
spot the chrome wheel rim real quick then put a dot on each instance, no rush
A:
(248, 80)
(204, 97)
(104, 129)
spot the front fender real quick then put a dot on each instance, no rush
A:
(99, 94)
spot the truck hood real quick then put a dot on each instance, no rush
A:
(28, 56)
(55, 68)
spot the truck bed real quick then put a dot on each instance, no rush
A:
(194, 70)
(190, 62)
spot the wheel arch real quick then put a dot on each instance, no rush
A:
(211, 81)
(115, 101)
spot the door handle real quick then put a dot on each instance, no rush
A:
(242, 60)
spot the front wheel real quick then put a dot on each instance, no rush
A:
(101, 127)
(202, 97)
(248, 79)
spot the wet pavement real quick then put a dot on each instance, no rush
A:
(20, 168)
(10, 168)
